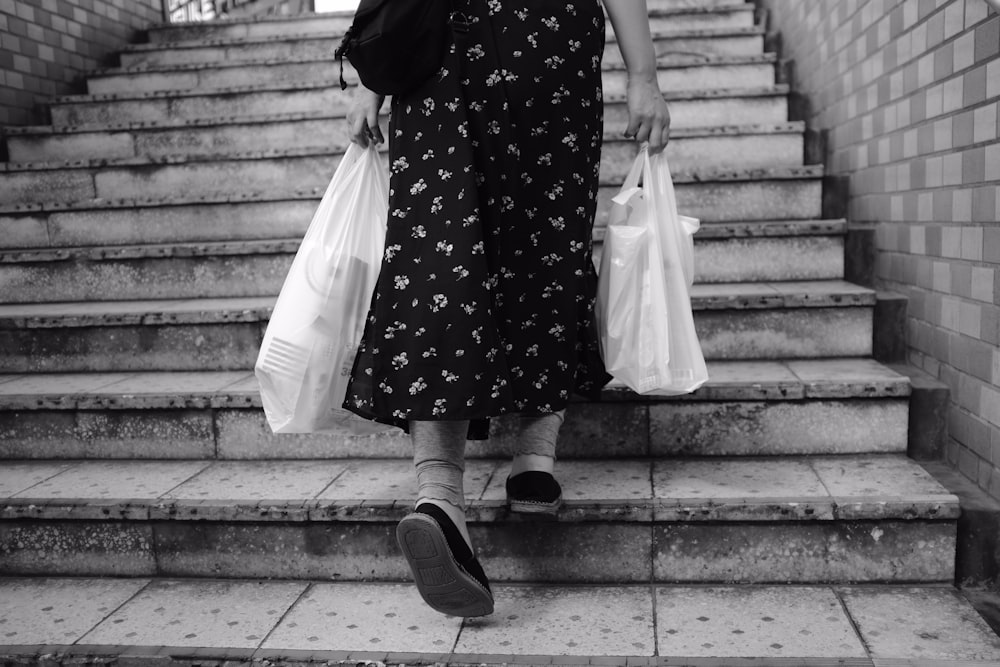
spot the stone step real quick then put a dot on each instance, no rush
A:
(694, 73)
(791, 192)
(718, 15)
(139, 621)
(734, 321)
(732, 520)
(747, 146)
(770, 195)
(742, 41)
(697, 108)
(775, 408)
(750, 252)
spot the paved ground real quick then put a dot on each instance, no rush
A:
(866, 623)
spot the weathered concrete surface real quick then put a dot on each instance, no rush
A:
(29, 187)
(56, 548)
(764, 259)
(554, 552)
(885, 551)
(778, 428)
(244, 434)
(785, 334)
(219, 221)
(132, 434)
(337, 551)
(145, 278)
(229, 346)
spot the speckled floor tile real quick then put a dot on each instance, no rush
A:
(260, 480)
(395, 479)
(735, 478)
(887, 476)
(227, 614)
(58, 611)
(16, 476)
(116, 479)
(564, 621)
(589, 480)
(770, 622)
(60, 383)
(364, 617)
(742, 372)
(843, 370)
(926, 623)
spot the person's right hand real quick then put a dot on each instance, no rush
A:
(362, 117)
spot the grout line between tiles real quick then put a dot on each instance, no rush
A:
(79, 640)
(850, 619)
(343, 471)
(308, 588)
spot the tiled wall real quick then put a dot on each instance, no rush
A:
(46, 46)
(908, 91)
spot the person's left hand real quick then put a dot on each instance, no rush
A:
(648, 115)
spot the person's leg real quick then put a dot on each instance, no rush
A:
(439, 457)
(434, 538)
(536, 442)
(531, 487)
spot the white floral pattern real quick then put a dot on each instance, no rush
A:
(485, 300)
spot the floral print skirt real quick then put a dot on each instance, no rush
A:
(485, 300)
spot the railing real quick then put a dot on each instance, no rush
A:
(180, 11)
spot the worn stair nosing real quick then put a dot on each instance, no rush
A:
(723, 296)
(733, 7)
(728, 381)
(287, 245)
(691, 175)
(923, 500)
(152, 47)
(749, 129)
(702, 61)
(777, 90)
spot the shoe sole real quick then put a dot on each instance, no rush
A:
(441, 581)
(529, 507)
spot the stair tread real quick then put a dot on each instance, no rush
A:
(810, 488)
(728, 380)
(787, 127)
(714, 296)
(96, 253)
(692, 175)
(663, 62)
(152, 47)
(299, 622)
(712, 93)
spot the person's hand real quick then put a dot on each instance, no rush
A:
(648, 116)
(362, 117)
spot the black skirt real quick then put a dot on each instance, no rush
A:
(485, 300)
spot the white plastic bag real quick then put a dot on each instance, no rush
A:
(643, 309)
(308, 351)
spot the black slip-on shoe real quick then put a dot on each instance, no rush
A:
(534, 492)
(447, 573)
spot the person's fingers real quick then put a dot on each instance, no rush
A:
(373, 126)
(656, 142)
(642, 133)
(359, 132)
(632, 127)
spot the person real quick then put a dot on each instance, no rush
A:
(484, 305)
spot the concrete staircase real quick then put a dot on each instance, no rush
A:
(772, 515)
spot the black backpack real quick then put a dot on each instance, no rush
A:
(395, 45)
